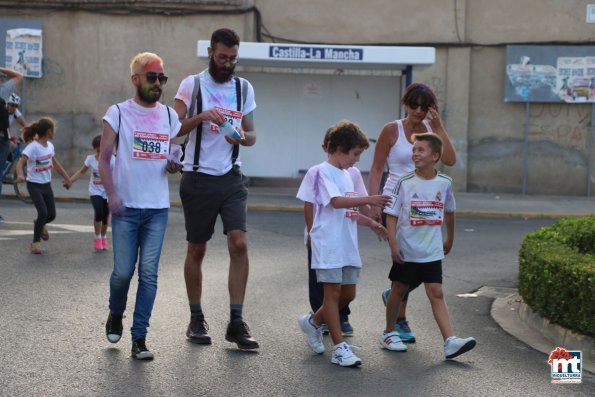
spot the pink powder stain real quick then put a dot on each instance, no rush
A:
(154, 66)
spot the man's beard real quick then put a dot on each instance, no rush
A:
(148, 94)
(219, 74)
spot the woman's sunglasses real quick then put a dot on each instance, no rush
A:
(152, 77)
(424, 108)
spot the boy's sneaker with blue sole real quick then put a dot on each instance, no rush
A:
(346, 328)
(402, 327)
(385, 295)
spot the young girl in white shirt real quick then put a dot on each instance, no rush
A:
(97, 195)
(40, 158)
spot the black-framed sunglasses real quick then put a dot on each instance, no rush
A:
(222, 60)
(152, 77)
(424, 108)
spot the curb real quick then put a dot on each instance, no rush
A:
(519, 320)
(299, 208)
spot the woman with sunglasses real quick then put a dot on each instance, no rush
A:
(394, 147)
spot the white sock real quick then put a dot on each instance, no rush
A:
(98, 236)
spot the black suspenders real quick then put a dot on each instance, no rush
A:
(236, 148)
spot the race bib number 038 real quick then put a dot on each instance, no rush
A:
(150, 146)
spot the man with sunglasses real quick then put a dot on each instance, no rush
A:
(212, 183)
(140, 130)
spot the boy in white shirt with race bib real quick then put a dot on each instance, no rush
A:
(335, 254)
(422, 201)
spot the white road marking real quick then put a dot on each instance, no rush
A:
(53, 228)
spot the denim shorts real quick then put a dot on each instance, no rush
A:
(343, 275)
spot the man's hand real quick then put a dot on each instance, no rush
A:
(173, 167)
(115, 204)
(212, 115)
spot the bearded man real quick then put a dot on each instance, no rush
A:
(212, 183)
(140, 130)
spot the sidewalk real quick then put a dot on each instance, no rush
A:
(271, 198)
(508, 310)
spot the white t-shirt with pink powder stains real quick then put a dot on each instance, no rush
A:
(139, 174)
(334, 230)
(215, 151)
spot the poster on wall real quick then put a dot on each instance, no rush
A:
(24, 51)
(550, 74)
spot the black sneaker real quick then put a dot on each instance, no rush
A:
(140, 351)
(238, 333)
(197, 331)
(113, 328)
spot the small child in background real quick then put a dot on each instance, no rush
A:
(423, 201)
(333, 235)
(97, 194)
(40, 158)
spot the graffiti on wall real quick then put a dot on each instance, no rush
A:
(568, 126)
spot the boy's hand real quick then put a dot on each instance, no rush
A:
(447, 246)
(376, 214)
(380, 231)
(396, 255)
(378, 200)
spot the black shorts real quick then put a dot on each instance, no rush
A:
(205, 196)
(413, 273)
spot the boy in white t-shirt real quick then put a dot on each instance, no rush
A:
(333, 235)
(423, 199)
(97, 194)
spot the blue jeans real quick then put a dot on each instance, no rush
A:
(136, 231)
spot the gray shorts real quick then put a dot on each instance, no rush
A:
(205, 196)
(343, 275)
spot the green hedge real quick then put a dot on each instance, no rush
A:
(557, 273)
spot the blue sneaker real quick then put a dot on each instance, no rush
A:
(402, 327)
(385, 295)
(346, 328)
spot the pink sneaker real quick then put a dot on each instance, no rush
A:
(36, 248)
(104, 243)
(97, 246)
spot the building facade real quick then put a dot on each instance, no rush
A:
(87, 47)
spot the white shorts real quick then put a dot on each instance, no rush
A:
(343, 275)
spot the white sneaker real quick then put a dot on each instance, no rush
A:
(392, 341)
(314, 334)
(454, 346)
(343, 356)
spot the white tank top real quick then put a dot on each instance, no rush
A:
(399, 157)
